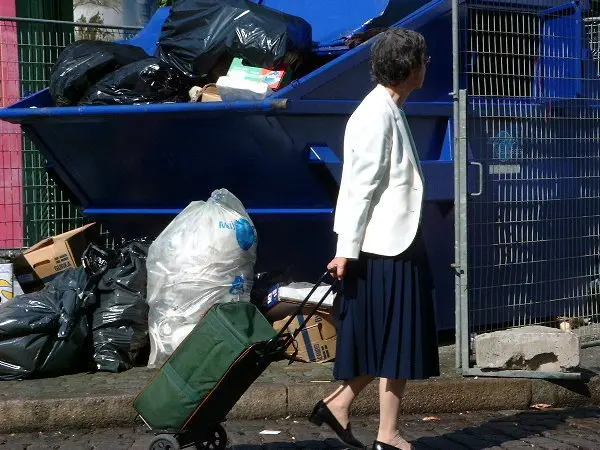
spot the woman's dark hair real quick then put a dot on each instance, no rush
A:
(395, 53)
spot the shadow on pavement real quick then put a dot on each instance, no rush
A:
(532, 428)
(551, 428)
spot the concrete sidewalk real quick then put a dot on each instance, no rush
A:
(105, 400)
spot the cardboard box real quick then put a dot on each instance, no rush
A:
(316, 343)
(46, 259)
(210, 93)
(286, 308)
(274, 78)
(283, 301)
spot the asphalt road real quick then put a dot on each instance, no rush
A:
(545, 429)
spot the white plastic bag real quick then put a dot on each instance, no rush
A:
(206, 255)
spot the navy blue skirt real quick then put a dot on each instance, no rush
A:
(386, 318)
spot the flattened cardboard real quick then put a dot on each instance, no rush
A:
(274, 78)
(277, 305)
(210, 93)
(42, 262)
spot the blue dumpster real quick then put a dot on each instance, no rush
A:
(135, 167)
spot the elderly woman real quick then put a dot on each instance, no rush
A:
(387, 325)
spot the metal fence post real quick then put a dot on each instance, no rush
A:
(460, 231)
(457, 223)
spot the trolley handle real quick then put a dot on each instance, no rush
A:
(290, 337)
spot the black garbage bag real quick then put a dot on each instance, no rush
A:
(147, 81)
(264, 282)
(84, 63)
(120, 320)
(198, 32)
(44, 333)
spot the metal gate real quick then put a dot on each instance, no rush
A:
(527, 110)
(32, 205)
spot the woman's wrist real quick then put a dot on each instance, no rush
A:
(347, 248)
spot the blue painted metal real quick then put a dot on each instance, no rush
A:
(135, 167)
(333, 20)
(323, 155)
(320, 154)
(145, 163)
(45, 112)
(147, 38)
(175, 211)
(347, 77)
(565, 69)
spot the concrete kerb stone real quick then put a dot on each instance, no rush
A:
(432, 396)
(267, 400)
(462, 394)
(55, 414)
(262, 401)
(566, 393)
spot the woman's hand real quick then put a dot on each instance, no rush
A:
(337, 267)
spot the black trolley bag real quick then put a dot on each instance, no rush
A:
(189, 397)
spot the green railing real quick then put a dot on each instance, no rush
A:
(46, 210)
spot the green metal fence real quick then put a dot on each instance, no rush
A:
(46, 209)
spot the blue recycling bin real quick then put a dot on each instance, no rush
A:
(135, 167)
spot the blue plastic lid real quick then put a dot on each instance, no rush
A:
(334, 20)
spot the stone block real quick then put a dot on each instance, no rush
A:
(537, 348)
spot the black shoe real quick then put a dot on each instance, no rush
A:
(381, 446)
(321, 414)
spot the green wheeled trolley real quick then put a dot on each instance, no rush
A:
(189, 397)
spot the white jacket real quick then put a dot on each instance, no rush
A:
(381, 193)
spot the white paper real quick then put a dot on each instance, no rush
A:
(299, 291)
(238, 89)
(6, 282)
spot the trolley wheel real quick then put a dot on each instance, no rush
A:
(164, 442)
(212, 438)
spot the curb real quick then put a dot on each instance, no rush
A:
(272, 401)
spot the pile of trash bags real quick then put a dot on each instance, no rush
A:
(135, 304)
(146, 81)
(198, 41)
(86, 318)
(198, 33)
(84, 63)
